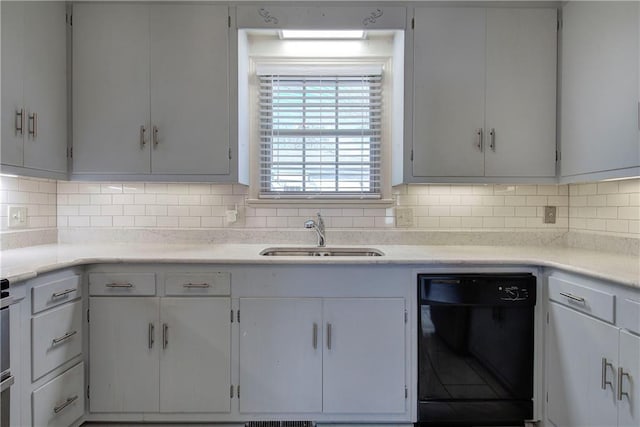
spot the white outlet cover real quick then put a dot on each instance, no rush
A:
(17, 216)
(404, 217)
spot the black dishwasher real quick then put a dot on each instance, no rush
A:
(475, 349)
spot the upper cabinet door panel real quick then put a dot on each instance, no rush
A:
(111, 88)
(521, 92)
(599, 100)
(45, 85)
(449, 78)
(190, 89)
(12, 67)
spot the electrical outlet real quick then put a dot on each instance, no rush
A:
(404, 217)
(550, 214)
(17, 216)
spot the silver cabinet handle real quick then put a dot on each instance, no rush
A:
(621, 375)
(328, 336)
(603, 380)
(154, 136)
(492, 143)
(66, 403)
(165, 335)
(143, 142)
(33, 125)
(119, 285)
(62, 293)
(64, 337)
(479, 138)
(151, 334)
(7, 383)
(315, 335)
(573, 297)
(20, 127)
(196, 285)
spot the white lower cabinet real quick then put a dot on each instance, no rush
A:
(150, 354)
(60, 402)
(312, 355)
(593, 366)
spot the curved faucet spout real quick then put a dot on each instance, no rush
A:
(319, 227)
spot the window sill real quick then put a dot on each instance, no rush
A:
(321, 203)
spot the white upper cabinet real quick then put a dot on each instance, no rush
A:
(484, 93)
(151, 90)
(599, 99)
(34, 88)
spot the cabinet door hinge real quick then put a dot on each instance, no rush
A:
(231, 321)
(558, 155)
(231, 392)
(412, 155)
(71, 152)
(547, 318)
(238, 316)
(547, 397)
(413, 23)
(88, 318)
(238, 391)
(87, 392)
(230, 154)
(229, 21)
(406, 393)
(559, 23)
(406, 316)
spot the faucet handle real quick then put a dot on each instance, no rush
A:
(320, 220)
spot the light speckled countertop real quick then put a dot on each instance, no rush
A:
(25, 263)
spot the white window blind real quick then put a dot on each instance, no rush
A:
(320, 135)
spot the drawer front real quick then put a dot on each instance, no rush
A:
(55, 293)
(111, 284)
(201, 284)
(56, 338)
(587, 300)
(629, 314)
(60, 402)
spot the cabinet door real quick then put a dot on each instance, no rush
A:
(111, 88)
(364, 356)
(281, 355)
(45, 86)
(449, 79)
(123, 354)
(575, 348)
(190, 89)
(521, 93)
(195, 362)
(599, 130)
(12, 52)
(629, 406)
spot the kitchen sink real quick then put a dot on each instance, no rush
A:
(318, 251)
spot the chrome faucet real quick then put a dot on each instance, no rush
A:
(319, 227)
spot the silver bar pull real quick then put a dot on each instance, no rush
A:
(479, 138)
(62, 293)
(165, 335)
(328, 336)
(621, 375)
(151, 334)
(573, 297)
(33, 125)
(64, 337)
(196, 285)
(604, 382)
(66, 403)
(7, 383)
(315, 335)
(19, 127)
(154, 136)
(492, 143)
(119, 285)
(143, 142)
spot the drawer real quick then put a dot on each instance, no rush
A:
(110, 284)
(201, 284)
(60, 402)
(587, 300)
(56, 338)
(52, 294)
(629, 314)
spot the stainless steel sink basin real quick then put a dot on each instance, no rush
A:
(290, 251)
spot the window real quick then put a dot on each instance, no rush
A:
(320, 132)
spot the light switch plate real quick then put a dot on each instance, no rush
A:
(550, 214)
(17, 216)
(404, 217)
